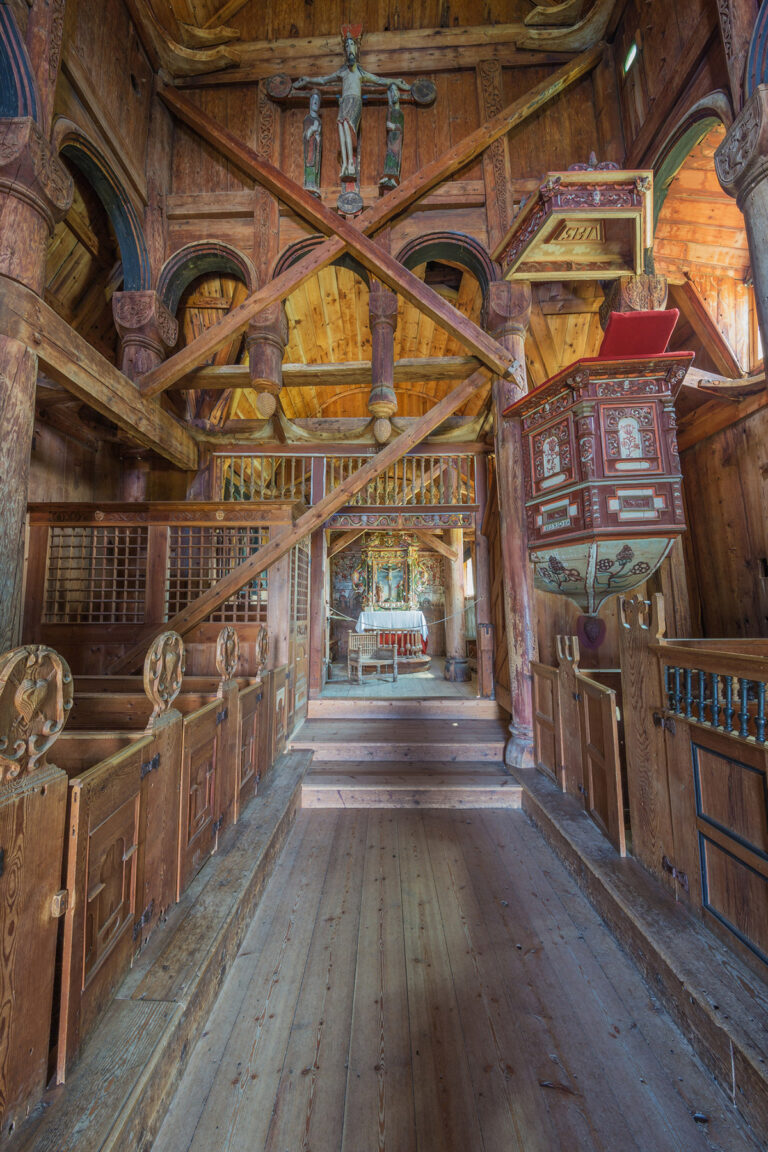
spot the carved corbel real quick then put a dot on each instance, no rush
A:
(146, 328)
(644, 293)
(265, 341)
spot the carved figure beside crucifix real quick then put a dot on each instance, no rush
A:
(350, 81)
(313, 145)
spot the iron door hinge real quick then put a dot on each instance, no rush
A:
(222, 716)
(143, 920)
(664, 722)
(150, 765)
(678, 876)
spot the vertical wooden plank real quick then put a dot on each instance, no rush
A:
(34, 585)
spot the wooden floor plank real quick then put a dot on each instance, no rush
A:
(244, 1049)
(446, 1113)
(379, 1107)
(436, 982)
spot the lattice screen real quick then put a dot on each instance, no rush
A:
(300, 581)
(199, 556)
(95, 575)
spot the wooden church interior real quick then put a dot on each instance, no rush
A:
(384, 575)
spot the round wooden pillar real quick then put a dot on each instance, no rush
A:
(741, 163)
(507, 314)
(382, 402)
(266, 340)
(35, 192)
(456, 663)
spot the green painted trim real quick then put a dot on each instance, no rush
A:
(674, 160)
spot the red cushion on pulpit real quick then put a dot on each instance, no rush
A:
(637, 334)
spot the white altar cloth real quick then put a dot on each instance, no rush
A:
(386, 620)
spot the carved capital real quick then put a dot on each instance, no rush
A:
(507, 309)
(31, 171)
(644, 293)
(741, 161)
(382, 306)
(35, 700)
(146, 329)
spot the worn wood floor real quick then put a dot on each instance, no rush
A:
(433, 981)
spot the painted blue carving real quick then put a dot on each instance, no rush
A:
(18, 90)
(195, 260)
(757, 60)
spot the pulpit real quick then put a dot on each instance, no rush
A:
(602, 475)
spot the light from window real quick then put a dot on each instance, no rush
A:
(630, 57)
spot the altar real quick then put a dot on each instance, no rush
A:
(392, 620)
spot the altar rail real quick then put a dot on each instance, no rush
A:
(694, 769)
(418, 479)
(146, 781)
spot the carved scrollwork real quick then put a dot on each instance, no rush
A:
(638, 615)
(261, 651)
(227, 652)
(35, 700)
(163, 672)
(740, 146)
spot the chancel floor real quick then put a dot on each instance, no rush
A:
(429, 683)
(434, 981)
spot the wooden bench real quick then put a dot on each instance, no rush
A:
(365, 651)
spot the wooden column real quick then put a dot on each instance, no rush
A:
(279, 604)
(266, 340)
(482, 574)
(35, 192)
(317, 584)
(497, 170)
(741, 163)
(507, 313)
(146, 328)
(456, 663)
(382, 402)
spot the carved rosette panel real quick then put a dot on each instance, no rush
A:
(741, 161)
(227, 652)
(35, 700)
(163, 672)
(261, 651)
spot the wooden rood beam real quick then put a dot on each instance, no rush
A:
(65, 357)
(199, 609)
(391, 205)
(378, 261)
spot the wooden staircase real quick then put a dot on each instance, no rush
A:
(405, 754)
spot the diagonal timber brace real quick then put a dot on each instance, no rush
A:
(393, 204)
(201, 608)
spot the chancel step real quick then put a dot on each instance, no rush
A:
(399, 785)
(404, 708)
(447, 741)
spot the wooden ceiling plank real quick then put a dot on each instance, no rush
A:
(68, 359)
(200, 608)
(391, 205)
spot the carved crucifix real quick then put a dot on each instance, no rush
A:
(351, 81)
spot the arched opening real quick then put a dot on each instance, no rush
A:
(196, 260)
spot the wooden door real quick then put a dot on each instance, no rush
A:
(571, 770)
(279, 711)
(103, 880)
(249, 767)
(600, 758)
(32, 824)
(198, 796)
(547, 748)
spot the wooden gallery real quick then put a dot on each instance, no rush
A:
(383, 576)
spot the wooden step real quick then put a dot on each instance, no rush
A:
(404, 708)
(411, 786)
(359, 741)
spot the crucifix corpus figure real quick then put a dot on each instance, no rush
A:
(351, 77)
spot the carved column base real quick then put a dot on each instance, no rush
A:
(457, 670)
(518, 751)
(146, 328)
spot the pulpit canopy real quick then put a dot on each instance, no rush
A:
(602, 473)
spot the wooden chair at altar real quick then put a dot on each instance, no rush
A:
(365, 651)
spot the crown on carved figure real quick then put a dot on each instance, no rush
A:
(351, 32)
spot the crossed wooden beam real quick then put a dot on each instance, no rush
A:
(343, 236)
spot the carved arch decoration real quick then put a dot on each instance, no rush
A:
(757, 58)
(69, 140)
(18, 88)
(452, 248)
(163, 672)
(690, 130)
(36, 692)
(197, 259)
(301, 248)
